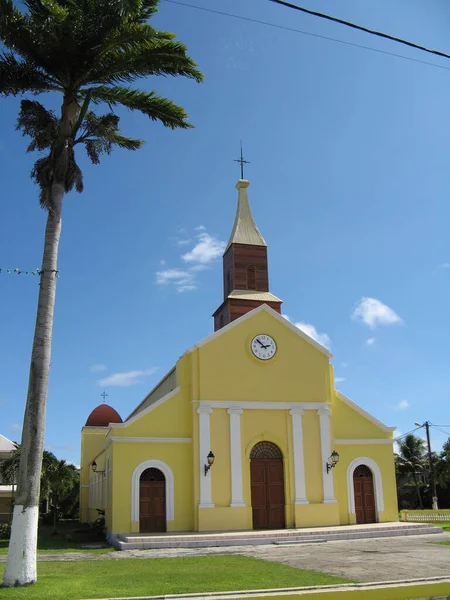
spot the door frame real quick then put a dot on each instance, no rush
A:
(377, 485)
(135, 488)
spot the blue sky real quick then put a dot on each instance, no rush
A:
(350, 186)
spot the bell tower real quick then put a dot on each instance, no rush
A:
(245, 268)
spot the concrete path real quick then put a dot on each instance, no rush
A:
(374, 559)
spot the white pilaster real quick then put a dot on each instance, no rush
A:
(204, 413)
(325, 442)
(237, 499)
(299, 458)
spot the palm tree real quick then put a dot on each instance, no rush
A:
(89, 52)
(410, 460)
(61, 478)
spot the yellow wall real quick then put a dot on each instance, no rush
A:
(92, 443)
(224, 370)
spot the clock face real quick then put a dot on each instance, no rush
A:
(263, 346)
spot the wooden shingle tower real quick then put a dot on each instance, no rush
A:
(245, 268)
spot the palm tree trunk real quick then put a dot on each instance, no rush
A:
(419, 495)
(21, 562)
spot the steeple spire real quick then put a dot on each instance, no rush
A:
(245, 230)
(245, 268)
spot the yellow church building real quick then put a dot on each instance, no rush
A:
(247, 431)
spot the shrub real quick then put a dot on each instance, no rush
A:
(5, 531)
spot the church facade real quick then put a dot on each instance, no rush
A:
(247, 431)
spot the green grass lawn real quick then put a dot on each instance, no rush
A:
(158, 576)
(61, 543)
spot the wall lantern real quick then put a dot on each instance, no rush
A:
(332, 461)
(210, 458)
(94, 467)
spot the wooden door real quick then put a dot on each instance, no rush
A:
(364, 495)
(267, 490)
(152, 501)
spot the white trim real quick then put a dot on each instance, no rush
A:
(257, 405)
(147, 410)
(363, 413)
(237, 497)
(170, 488)
(148, 440)
(85, 486)
(325, 445)
(299, 459)
(362, 441)
(204, 424)
(377, 483)
(249, 315)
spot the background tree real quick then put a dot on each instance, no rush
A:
(61, 478)
(88, 52)
(410, 460)
(9, 468)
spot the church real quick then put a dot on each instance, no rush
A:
(247, 431)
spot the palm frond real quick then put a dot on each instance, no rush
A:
(21, 77)
(149, 103)
(38, 123)
(144, 57)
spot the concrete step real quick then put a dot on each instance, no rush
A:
(135, 541)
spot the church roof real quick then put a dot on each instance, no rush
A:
(254, 295)
(245, 230)
(102, 416)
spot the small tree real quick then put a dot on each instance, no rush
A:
(410, 460)
(88, 52)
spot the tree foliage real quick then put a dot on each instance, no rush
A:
(92, 52)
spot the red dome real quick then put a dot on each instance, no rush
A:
(102, 416)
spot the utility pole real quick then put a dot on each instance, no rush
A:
(430, 460)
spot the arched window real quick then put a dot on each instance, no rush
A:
(251, 277)
(266, 450)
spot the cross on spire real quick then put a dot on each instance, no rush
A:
(104, 396)
(242, 162)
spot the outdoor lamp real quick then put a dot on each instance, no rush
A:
(210, 458)
(333, 461)
(94, 466)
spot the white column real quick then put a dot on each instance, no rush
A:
(237, 499)
(299, 458)
(204, 413)
(325, 442)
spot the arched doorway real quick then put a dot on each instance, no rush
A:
(364, 495)
(152, 501)
(267, 486)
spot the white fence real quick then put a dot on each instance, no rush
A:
(425, 516)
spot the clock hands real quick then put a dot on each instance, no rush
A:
(261, 344)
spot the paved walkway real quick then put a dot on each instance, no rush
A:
(374, 559)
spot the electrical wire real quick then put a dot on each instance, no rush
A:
(361, 28)
(405, 434)
(439, 429)
(302, 32)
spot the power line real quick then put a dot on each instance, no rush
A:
(439, 429)
(405, 434)
(308, 33)
(361, 28)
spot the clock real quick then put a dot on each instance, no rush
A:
(263, 346)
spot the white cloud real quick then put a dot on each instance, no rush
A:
(370, 341)
(372, 312)
(206, 249)
(321, 338)
(200, 228)
(162, 263)
(344, 365)
(402, 405)
(182, 280)
(126, 378)
(16, 426)
(183, 242)
(339, 379)
(97, 368)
